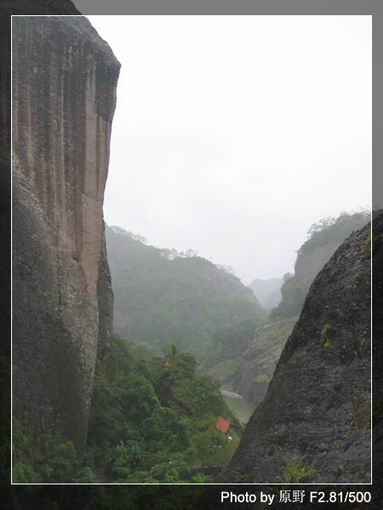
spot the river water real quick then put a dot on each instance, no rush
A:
(241, 407)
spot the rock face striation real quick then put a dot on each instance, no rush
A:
(64, 94)
(314, 423)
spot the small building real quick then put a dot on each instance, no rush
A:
(223, 424)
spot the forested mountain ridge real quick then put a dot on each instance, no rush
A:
(248, 371)
(163, 296)
(314, 423)
(324, 238)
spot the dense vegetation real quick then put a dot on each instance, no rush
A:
(225, 357)
(45, 458)
(162, 295)
(152, 420)
(324, 238)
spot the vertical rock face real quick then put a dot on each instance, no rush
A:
(64, 84)
(314, 423)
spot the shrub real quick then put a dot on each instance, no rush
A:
(295, 471)
(327, 335)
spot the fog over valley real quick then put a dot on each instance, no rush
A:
(230, 142)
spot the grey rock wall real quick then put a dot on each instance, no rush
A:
(64, 94)
(314, 423)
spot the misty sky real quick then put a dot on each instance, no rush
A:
(233, 134)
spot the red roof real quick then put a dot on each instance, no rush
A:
(222, 424)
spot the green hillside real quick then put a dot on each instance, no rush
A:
(163, 296)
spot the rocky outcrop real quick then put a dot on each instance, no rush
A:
(314, 423)
(260, 359)
(324, 238)
(64, 93)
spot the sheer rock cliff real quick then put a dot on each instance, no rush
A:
(314, 422)
(64, 94)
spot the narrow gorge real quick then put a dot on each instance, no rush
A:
(125, 355)
(314, 424)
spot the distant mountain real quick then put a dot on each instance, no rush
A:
(314, 423)
(323, 240)
(268, 292)
(250, 372)
(162, 296)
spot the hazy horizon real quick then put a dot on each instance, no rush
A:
(233, 134)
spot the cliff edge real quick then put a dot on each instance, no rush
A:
(64, 94)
